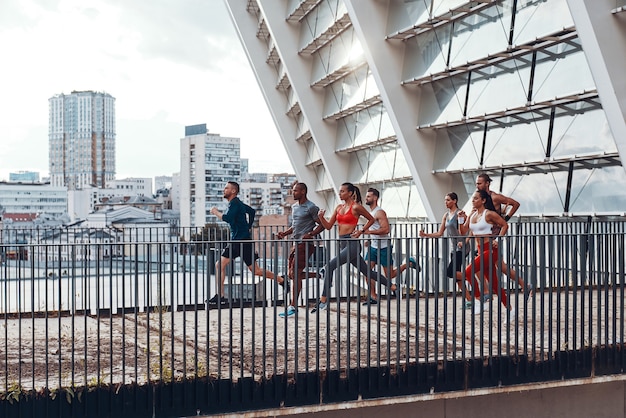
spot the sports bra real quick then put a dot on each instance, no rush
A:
(481, 227)
(347, 218)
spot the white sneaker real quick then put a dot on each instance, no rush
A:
(478, 307)
(511, 316)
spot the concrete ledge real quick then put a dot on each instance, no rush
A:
(600, 397)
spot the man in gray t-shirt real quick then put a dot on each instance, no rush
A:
(305, 227)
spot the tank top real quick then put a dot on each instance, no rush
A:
(452, 230)
(347, 218)
(481, 227)
(495, 230)
(378, 241)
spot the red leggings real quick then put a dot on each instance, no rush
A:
(488, 258)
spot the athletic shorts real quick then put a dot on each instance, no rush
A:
(245, 250)
(456, 263)
(300, 252)
(382, 256)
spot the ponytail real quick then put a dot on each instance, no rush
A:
(356, 193)
(488, 201)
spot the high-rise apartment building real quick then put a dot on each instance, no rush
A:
(418, 97)
(207, 162)
(81, 139)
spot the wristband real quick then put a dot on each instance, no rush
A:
(507, 217)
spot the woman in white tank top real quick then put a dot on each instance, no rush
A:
(480, 224)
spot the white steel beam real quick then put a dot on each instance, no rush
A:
(603, 37)
(256, 50)
(298, 67)
(386, 62)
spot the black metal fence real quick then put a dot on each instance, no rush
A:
(119, 324)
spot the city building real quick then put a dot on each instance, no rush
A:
(142, 202)
(132, 186)
(175, 192)
(164, 197)
(417, 98)
(265, 198)
(162, 182)
(81, 139)
(88, 199)
(82, 202)
(286, 180)
(245, 164)
(33, 198)
(254, 177)
(207, 162)
(24, 177)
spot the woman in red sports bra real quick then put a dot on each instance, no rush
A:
(347, 217)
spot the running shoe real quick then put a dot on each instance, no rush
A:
(511, 317)
(291, 311)
(413, 264)
(215, 300)
(321, 306)
(478, 307)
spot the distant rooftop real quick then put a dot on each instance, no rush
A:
(20, 217)
(196, 129)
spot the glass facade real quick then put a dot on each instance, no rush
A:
(421, 99)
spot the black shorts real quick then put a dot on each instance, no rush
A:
(456, 263)
(245, 250)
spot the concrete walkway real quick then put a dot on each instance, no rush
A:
(234, 341)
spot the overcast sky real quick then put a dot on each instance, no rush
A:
(168, 63)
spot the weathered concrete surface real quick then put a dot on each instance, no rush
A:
(234, 342)
(583, 398)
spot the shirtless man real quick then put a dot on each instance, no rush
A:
(507, 207)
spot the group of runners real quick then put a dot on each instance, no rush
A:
(487, 220)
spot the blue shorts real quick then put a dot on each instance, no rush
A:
(382, 256)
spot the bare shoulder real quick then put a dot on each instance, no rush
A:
(493, 217)
(357, 207)
(499, 198)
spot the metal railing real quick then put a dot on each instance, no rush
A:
(122, 327)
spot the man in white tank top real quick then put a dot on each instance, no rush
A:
(380, 249)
